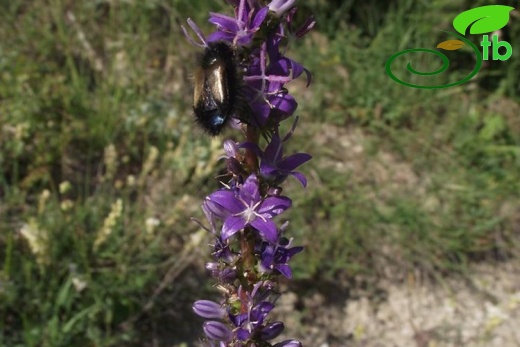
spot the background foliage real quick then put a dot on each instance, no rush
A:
(101, 167)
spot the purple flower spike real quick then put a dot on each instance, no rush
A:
(247, 207)
(208, 309)
(217, 331)
(250, 252)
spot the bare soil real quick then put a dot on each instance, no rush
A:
(482, 310)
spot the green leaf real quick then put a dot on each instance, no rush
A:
(483, 19)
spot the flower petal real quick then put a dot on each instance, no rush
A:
(267, 169)
(250, 192)
(267, 258)
(284, 270)
(261, 111)
(223, 22)
(226, 199)
(300, 177)
(259, 18)
(293, 161)
(305, 28)
(243, 334)
(292, 251)
(232, 225)
(284, 104)
(274, 150)
(212, 209)
(244, 39)
(231, 148)
(266, 229)
(271, 331)
(238, 319)
(220, 36)
(273, 206)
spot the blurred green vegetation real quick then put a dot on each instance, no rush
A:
(101, 168)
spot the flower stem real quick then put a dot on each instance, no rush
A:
(252, 135)
(247, 246)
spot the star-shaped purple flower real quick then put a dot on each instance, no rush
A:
(282, 65)
(268, 97)
(265, 88)
(277, 256)
(275, 167)
(245, 207)
(240, 29)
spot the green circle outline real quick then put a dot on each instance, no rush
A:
(445, 65)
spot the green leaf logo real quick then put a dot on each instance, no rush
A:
(483, 19)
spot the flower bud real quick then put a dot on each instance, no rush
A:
(279, 7)
(217, 331)
(271, 331)
(289, 343)
(208, 309)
